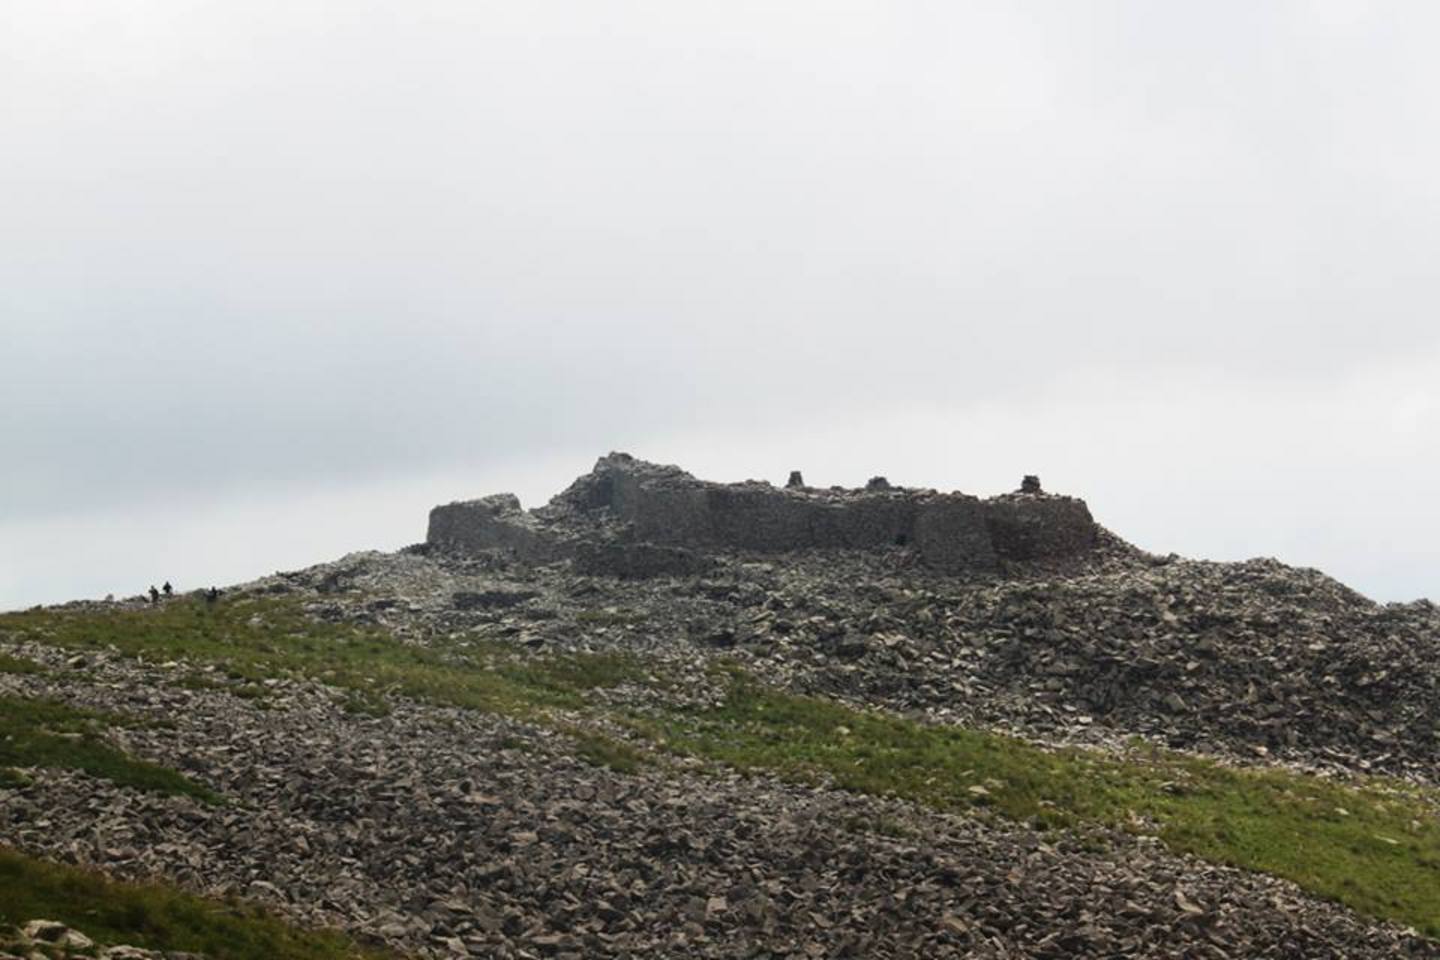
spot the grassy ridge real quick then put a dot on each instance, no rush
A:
(1371, 845)
(1374, 846)
(254, 639)
(155, 916)
(44, 733)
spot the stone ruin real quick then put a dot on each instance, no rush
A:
(631, 518)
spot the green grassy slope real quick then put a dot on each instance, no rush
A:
(155, 916)
(45, 733)
(1371, 844)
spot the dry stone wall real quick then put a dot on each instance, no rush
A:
(646, 519)
(495, 522)
(1039, 526)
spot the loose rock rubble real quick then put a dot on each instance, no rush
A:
(1250, 660)
(451, 833)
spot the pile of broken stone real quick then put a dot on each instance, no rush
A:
(450, 833)
(1045, 624)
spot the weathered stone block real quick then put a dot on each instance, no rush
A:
(495, 522)
(1031, 527)
(951, 534)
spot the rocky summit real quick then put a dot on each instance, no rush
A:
(665, 717)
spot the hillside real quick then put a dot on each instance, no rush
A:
(665, 717)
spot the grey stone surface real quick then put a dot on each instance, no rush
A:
(637, 561)
(495, 522)
(1039, 526)
(628, 501)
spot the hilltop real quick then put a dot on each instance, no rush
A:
(665, 716)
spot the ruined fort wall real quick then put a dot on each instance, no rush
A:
(1024, 527)
(491, 523)
(951, 534)
(624, 507)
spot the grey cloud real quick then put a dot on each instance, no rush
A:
(281, 247)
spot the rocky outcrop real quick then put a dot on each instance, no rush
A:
(626, 510)
(1242, 660)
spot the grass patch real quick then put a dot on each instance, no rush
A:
(249, 691)
(256, 638)
(360, 703)
(156, 917)
(1374, 846)
(195, 681)
(609, 617)
(11, 664)
(46, 733)
(602, 751)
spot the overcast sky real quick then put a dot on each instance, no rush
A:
(277, 276)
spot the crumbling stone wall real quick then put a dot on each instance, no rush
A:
(647, 519)
(950, 533)
(495, 522)
(1035, 527)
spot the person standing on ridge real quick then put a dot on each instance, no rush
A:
(167, 589)
(154, 594)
